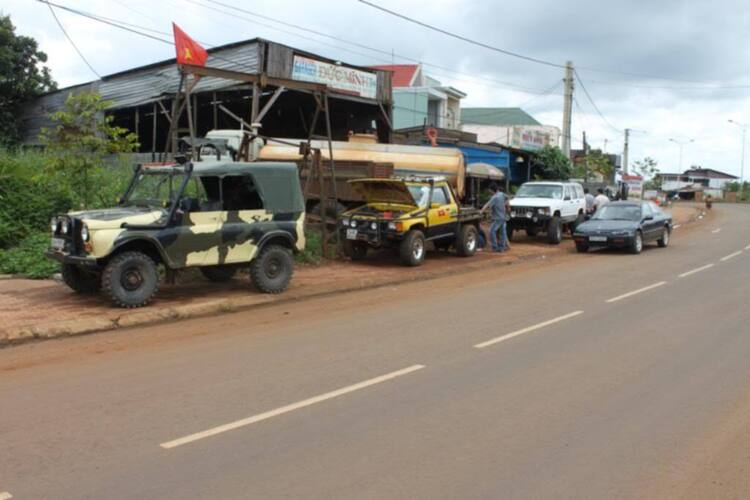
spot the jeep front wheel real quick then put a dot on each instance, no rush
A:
(218, 274)
(554, 231)
(466, 246)
(412, 248)
(272, 269)
(80, 281)
(130, 279)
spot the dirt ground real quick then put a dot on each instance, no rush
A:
(42, 302)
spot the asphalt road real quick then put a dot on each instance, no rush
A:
(603, 375)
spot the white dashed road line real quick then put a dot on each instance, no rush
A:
(5, 495)
(703, 268)
(731, 256)
(716, 230)
(288, 408)
(676, 226)
(634, 292)
(747, 247)
(526, 330)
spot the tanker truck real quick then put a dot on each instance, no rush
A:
(359, 157)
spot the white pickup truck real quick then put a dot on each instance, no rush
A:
(547, 207)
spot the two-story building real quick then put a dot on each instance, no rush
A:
(419, 100)
(706, 180)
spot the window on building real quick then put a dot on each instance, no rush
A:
(433, 113)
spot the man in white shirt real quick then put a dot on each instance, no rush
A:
(600, 200)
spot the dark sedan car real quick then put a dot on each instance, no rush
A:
(624, 224)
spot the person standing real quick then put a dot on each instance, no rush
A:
(497, 206)
(589, 201)
(600, 200)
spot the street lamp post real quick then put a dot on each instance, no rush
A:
(681, 145)
(743, 126)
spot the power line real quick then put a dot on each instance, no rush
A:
(596, 108)
(463, 38)
(389, 54)
(62, 28)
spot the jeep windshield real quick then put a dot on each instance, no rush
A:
(155, 187)
(420, 194)
(540, 191)
(618, 212)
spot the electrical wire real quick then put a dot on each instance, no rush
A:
(521, 88)
(596, 108)
(80, 54)
(463, 38)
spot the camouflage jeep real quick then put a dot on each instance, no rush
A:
(217, 216)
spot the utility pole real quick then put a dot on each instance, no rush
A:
(567, 108)
(681, 145)
(585, 159)
(625, 152)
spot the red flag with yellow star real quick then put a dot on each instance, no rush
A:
(188, 50)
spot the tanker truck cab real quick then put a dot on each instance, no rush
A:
(406, 213)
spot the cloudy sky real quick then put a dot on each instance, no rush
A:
(676, 69)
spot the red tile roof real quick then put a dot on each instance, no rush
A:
(403, 74)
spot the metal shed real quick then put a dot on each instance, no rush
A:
(141, 97)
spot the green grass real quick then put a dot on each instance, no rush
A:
(27, 258)
(313, 252)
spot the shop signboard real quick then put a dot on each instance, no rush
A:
(529, 139)
(635, 186)
(341, 78)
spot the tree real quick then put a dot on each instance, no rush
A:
(646, 167)
(22, 77)
(593, 163)
(82, 138)
(551, 163)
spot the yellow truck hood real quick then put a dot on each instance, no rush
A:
(383, 191)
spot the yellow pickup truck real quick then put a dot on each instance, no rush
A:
(406, 213)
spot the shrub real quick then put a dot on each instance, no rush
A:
(28, 259)
(313, 252)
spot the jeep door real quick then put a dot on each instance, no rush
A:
(569, 208)
(244, 220)
(195, 236)
(441, 213)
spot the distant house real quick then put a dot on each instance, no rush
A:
(709, 181)
(419, 100)
(512, 127)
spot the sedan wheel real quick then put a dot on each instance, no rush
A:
(637, 244)
(664, 240)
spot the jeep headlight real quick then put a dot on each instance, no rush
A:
(512, 213)
(345, 221)
(543, 211)
(353, 223)
(85, 232)
(53, 225)
(65, 226)
(392, 225)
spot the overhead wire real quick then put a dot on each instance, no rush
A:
(75, 47)
(596, 108)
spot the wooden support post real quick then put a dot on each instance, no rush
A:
(333, 168)
(137, 125)
(255, 103)
(191, 125)
(153, 134)
(215, 110)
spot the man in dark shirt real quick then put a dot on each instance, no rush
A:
(498, 207)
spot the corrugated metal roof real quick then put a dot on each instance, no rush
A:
(497, 116)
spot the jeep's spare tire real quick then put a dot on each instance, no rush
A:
(218, 274)
(272, 269)
(79, 280)
(412, 248)
(130, 279)
(467, 242)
